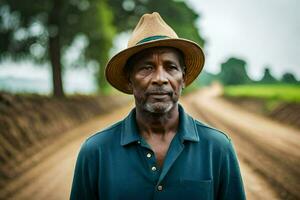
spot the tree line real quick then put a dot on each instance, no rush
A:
(234, 72)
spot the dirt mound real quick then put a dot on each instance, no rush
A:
(287, 113)
(28, 123)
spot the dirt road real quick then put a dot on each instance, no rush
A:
(268, 152)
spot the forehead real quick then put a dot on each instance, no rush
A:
(169, 52)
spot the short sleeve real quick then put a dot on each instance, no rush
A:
(231, 183)
(84, 184)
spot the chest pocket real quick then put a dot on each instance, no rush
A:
(194, 189)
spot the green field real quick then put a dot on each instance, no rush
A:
(274, 92)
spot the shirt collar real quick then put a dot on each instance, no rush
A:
(187, 128)
(129, 130)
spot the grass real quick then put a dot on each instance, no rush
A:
(272, 93)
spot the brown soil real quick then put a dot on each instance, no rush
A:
(287, 113)
(268, 148)
(29, 123)
(268, 152)
(51, 178)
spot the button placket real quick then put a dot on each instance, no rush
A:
(151, 161)
(149, 157)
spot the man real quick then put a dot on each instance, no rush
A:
(157, 151)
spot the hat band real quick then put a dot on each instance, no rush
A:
(156, 37)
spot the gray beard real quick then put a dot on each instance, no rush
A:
(158, 107)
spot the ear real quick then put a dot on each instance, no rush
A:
(184, 71)
(183, 83)
(129, 84)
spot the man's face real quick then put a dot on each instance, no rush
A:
(156, 79)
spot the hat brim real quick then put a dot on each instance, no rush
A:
(193, 58)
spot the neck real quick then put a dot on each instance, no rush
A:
(157, 123)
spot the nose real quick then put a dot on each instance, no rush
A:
(160, 77)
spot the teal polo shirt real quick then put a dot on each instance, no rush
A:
(117, 163)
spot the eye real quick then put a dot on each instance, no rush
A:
(172, 67)
(146, 67)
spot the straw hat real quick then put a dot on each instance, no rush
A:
(153, 31)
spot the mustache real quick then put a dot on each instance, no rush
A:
(159, 90)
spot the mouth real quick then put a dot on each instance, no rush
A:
(159, 95)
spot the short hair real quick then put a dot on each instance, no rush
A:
(130, 62)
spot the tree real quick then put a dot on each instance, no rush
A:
(176, 13)
(60, 22)
(268, 77)
(289, 78)
(233, 72)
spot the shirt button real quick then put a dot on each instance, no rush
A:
(139, 142)
(153, 168)
(159, 188)
(148, 155)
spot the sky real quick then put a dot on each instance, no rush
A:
(261, 32)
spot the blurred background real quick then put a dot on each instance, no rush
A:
(53, 93)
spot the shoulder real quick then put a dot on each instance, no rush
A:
(104, 137)
(207, 134)
(212, 135)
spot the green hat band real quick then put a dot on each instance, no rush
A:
(156, 37)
